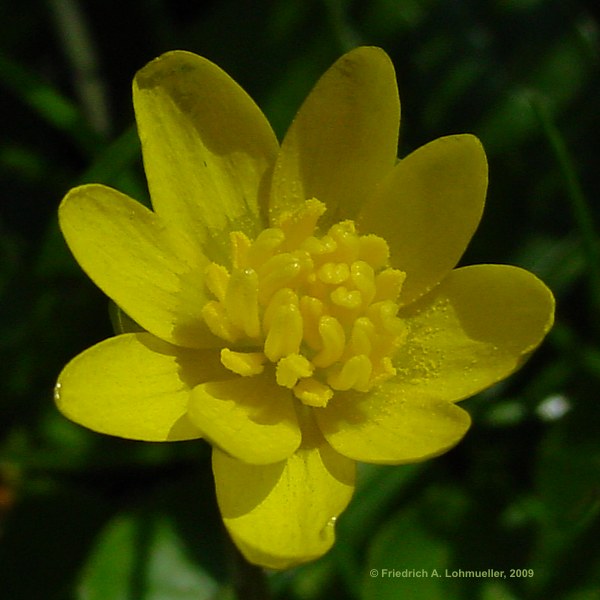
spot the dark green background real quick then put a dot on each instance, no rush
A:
(88, 517)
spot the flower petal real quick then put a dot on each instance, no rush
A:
(475, 329)
(429, 208)
(154, 276)
(344, 139)
(388, 427)
(207, 149)
(135, 386)
(284, 514)
(251, 418)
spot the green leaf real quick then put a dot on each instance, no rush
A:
(140, 556)
(406, 561)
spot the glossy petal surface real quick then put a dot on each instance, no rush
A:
(135, 386)
(429, 208)
(207, 148)
(283, 514)
(476, 328)
(344, 139)
(252, 418)
(154, 276)
(389, 427)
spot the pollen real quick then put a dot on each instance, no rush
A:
(320, 308)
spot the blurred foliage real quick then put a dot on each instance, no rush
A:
(87, 517)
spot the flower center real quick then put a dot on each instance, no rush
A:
(321, 309)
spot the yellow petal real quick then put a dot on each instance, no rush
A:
(476, 328)
(135, 386)
(284, 514)
(251, 418)
(207, 149)
(343, 140)
(388, 427)
(428, 210)
(154, 276)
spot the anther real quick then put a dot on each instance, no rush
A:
(354, 374)
(239, 249)
(216, 278)
(285, 332)
(333, 341)
(243, 363)
(313, 393)
(292, 367)
(215, 317)
(241, 301)
(333, 273)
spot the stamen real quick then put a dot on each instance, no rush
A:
(363, 277)
(313, 393)
(278, 272)
(355, 373)
(362, 335)
(344, 234)
(388, 284)
(373, 250)
(265, 244)
(216, 279)
(333, 340)
(323, 308)
(240, 244)
(241, 301)
(383, 314)
(291, 368)
(285, 332)
(300, 224)
(346, 298)
(311, 310)
(243, 363)
(215, 317)
(333, 273)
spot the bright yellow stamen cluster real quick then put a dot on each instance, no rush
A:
(322, 309)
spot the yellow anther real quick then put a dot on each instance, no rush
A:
(300, 224)
(345, 298)
(285, 332)
(383, 314)
(292, 367)
(216, 278)
(241, 301)
(363, 277)
(324, 308)
(354, 374)
(313, 393)
(388, 284)
(239, 249)
(311, 310)
(264, 246)
(333, 273)
(218, 322)
(319, 247)
(344, 234)
(362, 335)
(374, 250)
(280, 298)
(333, 341)
(243, 363)
(278, 272)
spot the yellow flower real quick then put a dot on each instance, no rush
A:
(300, 303)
